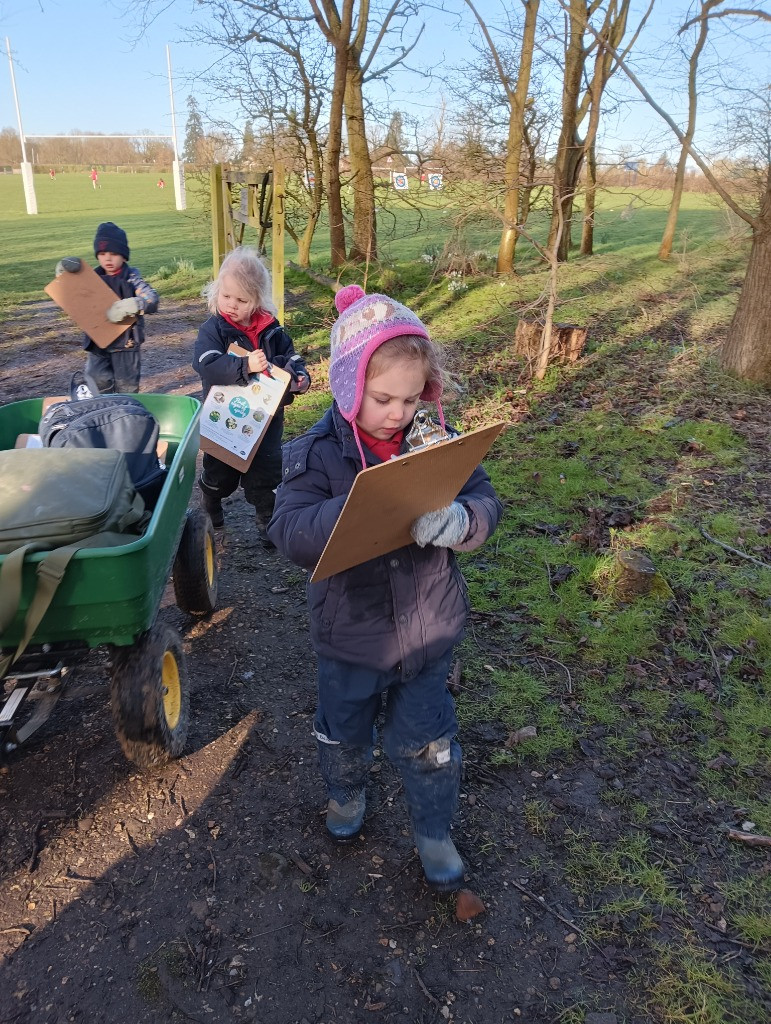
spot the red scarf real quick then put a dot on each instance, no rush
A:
(383, 449)
(255, 327)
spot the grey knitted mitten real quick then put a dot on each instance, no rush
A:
(443, 528)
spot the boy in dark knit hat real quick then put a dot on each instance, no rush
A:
(386, 629)
(117, 368)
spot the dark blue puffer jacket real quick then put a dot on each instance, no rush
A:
(401, 609)
(212, 362)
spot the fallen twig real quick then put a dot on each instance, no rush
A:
(540, 901)
(214, 869)
(330, 282)
(424, 990)
(749, 838)
(735, 551)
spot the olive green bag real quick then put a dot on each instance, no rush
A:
(62, 499)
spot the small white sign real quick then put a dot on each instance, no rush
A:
(435, 182)
(401, 182)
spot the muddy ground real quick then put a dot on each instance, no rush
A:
(207, 891)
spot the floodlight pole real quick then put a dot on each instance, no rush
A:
(178, 172)
(26, 168)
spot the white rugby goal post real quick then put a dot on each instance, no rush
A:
(27, 177)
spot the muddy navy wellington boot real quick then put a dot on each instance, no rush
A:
(263, 503)
(213, 506)
(441, 862)
(344, 821)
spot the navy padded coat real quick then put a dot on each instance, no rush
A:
(401, 609)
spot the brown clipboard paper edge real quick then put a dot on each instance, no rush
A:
(320, 573)
(230, 458)
(106, 327)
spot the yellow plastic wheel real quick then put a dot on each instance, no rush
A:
(195, 565)
(150, 697)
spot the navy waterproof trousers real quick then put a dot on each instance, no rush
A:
(418, 736)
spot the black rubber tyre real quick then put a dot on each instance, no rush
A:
(195, 565)
(150, 697)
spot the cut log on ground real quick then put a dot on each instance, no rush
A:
(636, 575)
(567, 342)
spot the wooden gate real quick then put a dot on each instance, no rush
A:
(255, 198)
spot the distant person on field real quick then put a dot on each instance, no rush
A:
(117, 368)
(52, 174)
(94, 177)
(161, 183)
(383, 631)
(243, 314)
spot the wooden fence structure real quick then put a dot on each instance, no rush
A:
(256, 199)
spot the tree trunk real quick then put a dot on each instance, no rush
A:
(668, 238)
(587, 229)
(334, 151)
(747, 349)
(665, 249)
(305, 241)
(517, 104)
(567, 162)
(364, 240)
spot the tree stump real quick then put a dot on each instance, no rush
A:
(636, 573)
(567, 342)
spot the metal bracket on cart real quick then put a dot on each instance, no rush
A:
(45, 686)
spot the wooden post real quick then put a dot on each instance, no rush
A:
(217, 219)
(277, 253)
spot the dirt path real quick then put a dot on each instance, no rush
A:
(207, 891)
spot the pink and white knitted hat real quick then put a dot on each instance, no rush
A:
(365, 322)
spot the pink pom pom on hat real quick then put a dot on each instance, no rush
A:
(364, 324)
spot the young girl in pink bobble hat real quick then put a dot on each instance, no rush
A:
(383, 631)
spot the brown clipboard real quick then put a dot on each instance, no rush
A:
(232, 458)
(386, 499)
(85, 298)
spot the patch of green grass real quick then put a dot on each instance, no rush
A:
(684, 985)
(626, 869)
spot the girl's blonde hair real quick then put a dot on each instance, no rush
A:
(250, 273)
(408, 348)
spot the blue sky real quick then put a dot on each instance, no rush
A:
(77, 67)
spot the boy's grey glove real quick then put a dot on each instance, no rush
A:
(443, 528)
(123, 308)
(299, 384)
(70, 264)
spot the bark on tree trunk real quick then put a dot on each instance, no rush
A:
(334, 150)
(567, 162)
(364, 240)
(747, 349)
(667, 239)
(306, 239)
(517, 105)
(587, 229)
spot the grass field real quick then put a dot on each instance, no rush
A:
(643, 444)
(159, 235)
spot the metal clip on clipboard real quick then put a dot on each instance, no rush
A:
(423, 432)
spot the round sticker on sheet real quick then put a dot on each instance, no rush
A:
(401, 183)
(239, 407)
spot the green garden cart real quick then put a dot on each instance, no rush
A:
(110, 597)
